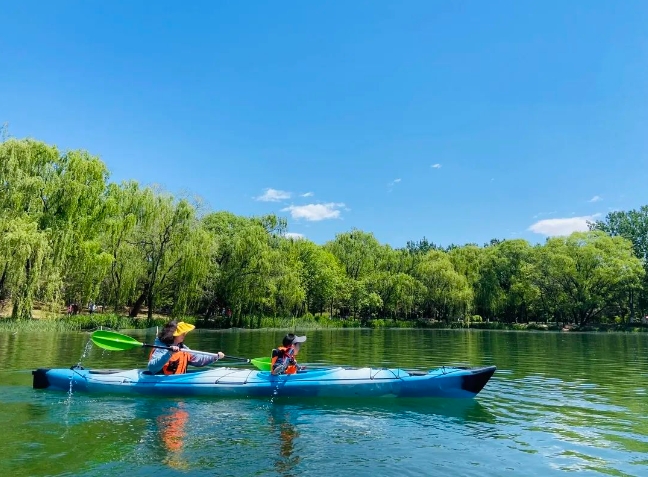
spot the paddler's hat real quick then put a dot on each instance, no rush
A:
(183, 328)
(291, 339)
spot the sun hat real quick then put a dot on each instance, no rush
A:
(291, 339)
(183, 328)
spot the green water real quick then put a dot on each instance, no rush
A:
(559, 403)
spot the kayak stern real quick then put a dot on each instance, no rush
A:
(40, 380)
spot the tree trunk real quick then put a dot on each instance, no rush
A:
(3, 279)
(22, 303)
(150, 304)
(137, 306)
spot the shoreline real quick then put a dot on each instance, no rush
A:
(86, 322)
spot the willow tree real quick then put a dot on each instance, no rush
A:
(24, 249)
(161, 235)
(122, 208)
(393, 282)
(468, 261)
(586, 275)
(74, 212)
(24, 245)
(285, 285)
(447, 292)
(633, 226)
(54, 200)
(239, 264)
(499, 292)
(399, 293)
(357, 251)
(322, 275)
(187, 280)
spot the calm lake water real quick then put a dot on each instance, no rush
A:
(559, 403)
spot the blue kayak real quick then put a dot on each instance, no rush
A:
(342, 382)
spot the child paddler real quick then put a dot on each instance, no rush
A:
(283, 358)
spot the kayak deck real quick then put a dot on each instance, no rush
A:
(453, 382)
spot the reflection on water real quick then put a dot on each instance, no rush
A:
(285, 434)
(171, 428)
(558, 403)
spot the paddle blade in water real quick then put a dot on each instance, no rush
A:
(264, 364)
(114, 341)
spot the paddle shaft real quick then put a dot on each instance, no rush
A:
(168, 348)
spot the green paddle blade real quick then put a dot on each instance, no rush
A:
(114, 341)
(264, 364)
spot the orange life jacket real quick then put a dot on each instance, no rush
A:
(283, 351)
(177, 363)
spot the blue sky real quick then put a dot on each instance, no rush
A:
(460, 121)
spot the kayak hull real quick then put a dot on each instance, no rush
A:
(445, 382)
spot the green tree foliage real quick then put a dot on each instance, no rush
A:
(633, 226)
(500, 288)
(447, 293)
(322, 276)
(586, 275)
(51, 207)
(68, 235)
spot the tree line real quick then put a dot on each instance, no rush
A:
(68, 235)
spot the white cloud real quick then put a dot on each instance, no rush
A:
(554, 227)
(274, 195)
(315, 212)
(436, 166)
(596, 198)
(294, 235)
(393, 183)
(308, 194)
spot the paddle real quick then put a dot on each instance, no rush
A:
(113, 341)
(265, 364)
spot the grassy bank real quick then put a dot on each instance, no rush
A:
(117, 322)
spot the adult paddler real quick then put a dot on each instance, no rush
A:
(176, 360)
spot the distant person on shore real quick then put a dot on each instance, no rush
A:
(176, 360)
(283, 358)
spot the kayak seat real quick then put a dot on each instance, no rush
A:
(105, 371)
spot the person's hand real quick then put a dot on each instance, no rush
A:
(174, 348)
(221, 355)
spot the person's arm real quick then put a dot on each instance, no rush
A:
(291, 356)
(202, 359)
(158, 359)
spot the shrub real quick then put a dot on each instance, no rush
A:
(308, 316)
